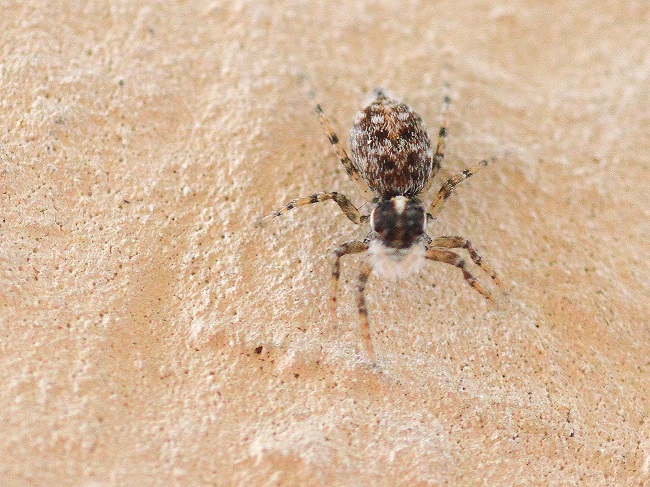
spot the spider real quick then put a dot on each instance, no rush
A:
(392, 164)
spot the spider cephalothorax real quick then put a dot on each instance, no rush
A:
(396, 247)
(398, 222)
(392, 164)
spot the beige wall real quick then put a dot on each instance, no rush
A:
(139, 141)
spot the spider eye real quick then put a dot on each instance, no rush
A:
(384, 217)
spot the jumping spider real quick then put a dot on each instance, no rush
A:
(392, 165)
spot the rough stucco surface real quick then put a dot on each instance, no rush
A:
(140, 140)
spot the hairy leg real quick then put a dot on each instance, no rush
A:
(344, 203)
(452, 242)
(451, 258)
(442, 135)
(338, 149)
(449, 186)
(366, 270)
(353, 247)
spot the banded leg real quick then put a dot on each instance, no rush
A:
(353, 247)
(344, 203)
(442, 135)
(449, 242)
(340, 151)
(449, 257)
(366, 270)
(449, 186)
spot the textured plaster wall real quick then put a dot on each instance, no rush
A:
(139, 141)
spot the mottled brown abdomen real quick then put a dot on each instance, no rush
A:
(391, 148)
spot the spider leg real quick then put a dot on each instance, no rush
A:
(366, 270)
(340, 151)
(352, 247)
(442, 135)
(449, 186)
(344, 203)
(450, 242)
(449, 257)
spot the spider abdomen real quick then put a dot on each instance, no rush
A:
(391, 148)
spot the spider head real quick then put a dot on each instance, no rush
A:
(398, 221)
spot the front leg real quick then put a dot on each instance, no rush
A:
(351, 211)
(451, 258)
(353, 247)
(449, 242)
(364, 274)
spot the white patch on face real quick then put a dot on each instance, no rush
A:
(377, 119)
(391, 263)
(400, 204)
